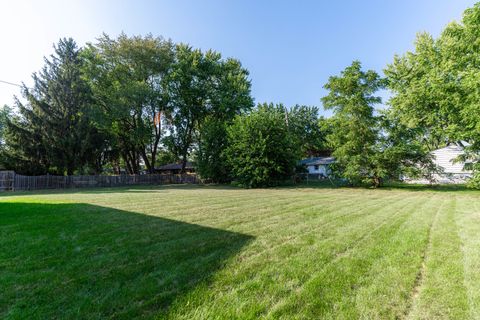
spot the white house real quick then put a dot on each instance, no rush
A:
(318, 165)
(446, 160)
(452, 170)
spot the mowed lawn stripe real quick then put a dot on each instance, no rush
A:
(322, 294)
(385, 290)
(187, 252)
(280, 274)
(266, 223)
(188, 262)
(442, 293)
(276, 213)
(306, 221)
(323, 225)
(344, 223)
(184, 202)
(249, 210)
(168, 245)
(468, 222)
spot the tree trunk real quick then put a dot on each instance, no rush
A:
(150, 168)
(127, 163)
(134, 162)
(187, 140)
(376, 182)
(184, 162)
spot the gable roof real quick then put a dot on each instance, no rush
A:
(317, 161)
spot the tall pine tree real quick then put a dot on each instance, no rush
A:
(53, 131)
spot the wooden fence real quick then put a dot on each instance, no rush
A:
(10, 181)
(6, 180)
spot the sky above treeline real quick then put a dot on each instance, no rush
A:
(289, 47)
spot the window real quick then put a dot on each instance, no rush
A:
(315, 167)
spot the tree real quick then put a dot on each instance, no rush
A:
(304, 123)
(424, 96)
(261, 150)
(202, 86)
(355, 131)
(128, 75)
(5, 114)
(369, 148)
(435, 87)
(400, 153)
(53, 131)
(211, 162)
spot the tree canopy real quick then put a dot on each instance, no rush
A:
(355, 132)
(369, 146)
(436, 87)
(261, 150)
(131, 103)
(127, 76)
(202, 85)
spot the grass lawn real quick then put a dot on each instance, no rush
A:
(187, 252)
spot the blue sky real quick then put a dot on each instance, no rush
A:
(289, 47)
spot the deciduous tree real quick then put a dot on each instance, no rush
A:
(128, 75)
(261, 149)
(304, 123)
(355, 131)
(203, 85)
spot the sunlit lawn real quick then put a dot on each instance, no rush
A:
(225, 253)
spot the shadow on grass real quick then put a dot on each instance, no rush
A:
(85, 261)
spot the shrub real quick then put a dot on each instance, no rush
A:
(261, 150)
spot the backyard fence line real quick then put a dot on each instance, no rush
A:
(10, 181)
(310, 177)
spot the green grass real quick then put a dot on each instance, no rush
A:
(187, 252)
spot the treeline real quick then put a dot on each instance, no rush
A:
(93, 109)
(132, 103)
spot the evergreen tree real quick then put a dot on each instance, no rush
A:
(53, 131)
(369, 146)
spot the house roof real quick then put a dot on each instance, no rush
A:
(175, 166)
(317, 161)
